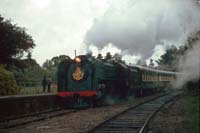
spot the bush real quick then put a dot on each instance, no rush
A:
(8, 84)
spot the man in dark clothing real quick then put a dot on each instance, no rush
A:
(49, 81)
(44, 83)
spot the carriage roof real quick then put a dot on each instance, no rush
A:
(153, 70)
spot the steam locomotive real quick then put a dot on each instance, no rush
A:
(86, 80)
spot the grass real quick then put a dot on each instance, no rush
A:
(36, 90)
(190, 108)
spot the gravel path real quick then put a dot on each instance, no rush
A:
(80, 121)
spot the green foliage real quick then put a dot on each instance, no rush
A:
(14, 41)
(171, 58)
(51, 65)
(8, 84)
(190, 108)
(48, 65)
(151, 64)
(31, 76)
(29, 55)
(27, 72)
(116, 57)
(108, 56)
(23, 64)
(99, 56)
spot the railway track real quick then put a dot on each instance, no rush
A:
(136, 118)
(20, 121)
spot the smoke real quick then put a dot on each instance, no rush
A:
(140, 27)
(189, 65)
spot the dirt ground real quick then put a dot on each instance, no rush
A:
(173, 118)
(81, 121)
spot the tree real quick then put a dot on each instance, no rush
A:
(99, 56)
(47, 64)
(168, 61)
(27, 72)
(29, 55)
(117, 57)
(57, 59)
(51, 65)
(151, 64)
(108, 56)
(14, 41)
(171, 58)
(54, 62)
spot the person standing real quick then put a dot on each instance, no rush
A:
(49, 81)
(44, 83)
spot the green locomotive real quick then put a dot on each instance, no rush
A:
(89, 80)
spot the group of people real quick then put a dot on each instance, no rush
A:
(46, 82)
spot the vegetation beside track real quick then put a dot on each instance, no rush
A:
(190, 106)
(8, 84)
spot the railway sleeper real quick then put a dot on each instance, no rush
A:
(117, 130)
(139, 112)
(124, 125)
(152, 104)
(146, 109)
(129, 120)
(130, 114)
(132, 119)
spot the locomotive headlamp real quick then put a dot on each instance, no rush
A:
(77, 60)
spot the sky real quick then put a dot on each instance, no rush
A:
(137, 29)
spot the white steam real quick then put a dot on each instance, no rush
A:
(189, 65)
(141, 27)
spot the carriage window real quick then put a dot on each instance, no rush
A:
(161, 78)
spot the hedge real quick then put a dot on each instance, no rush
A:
(8, 84)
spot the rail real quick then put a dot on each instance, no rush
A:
(136, 118)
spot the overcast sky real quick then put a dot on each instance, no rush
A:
(134, 28)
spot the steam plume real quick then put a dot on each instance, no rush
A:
(137, 27)
(189, 65)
